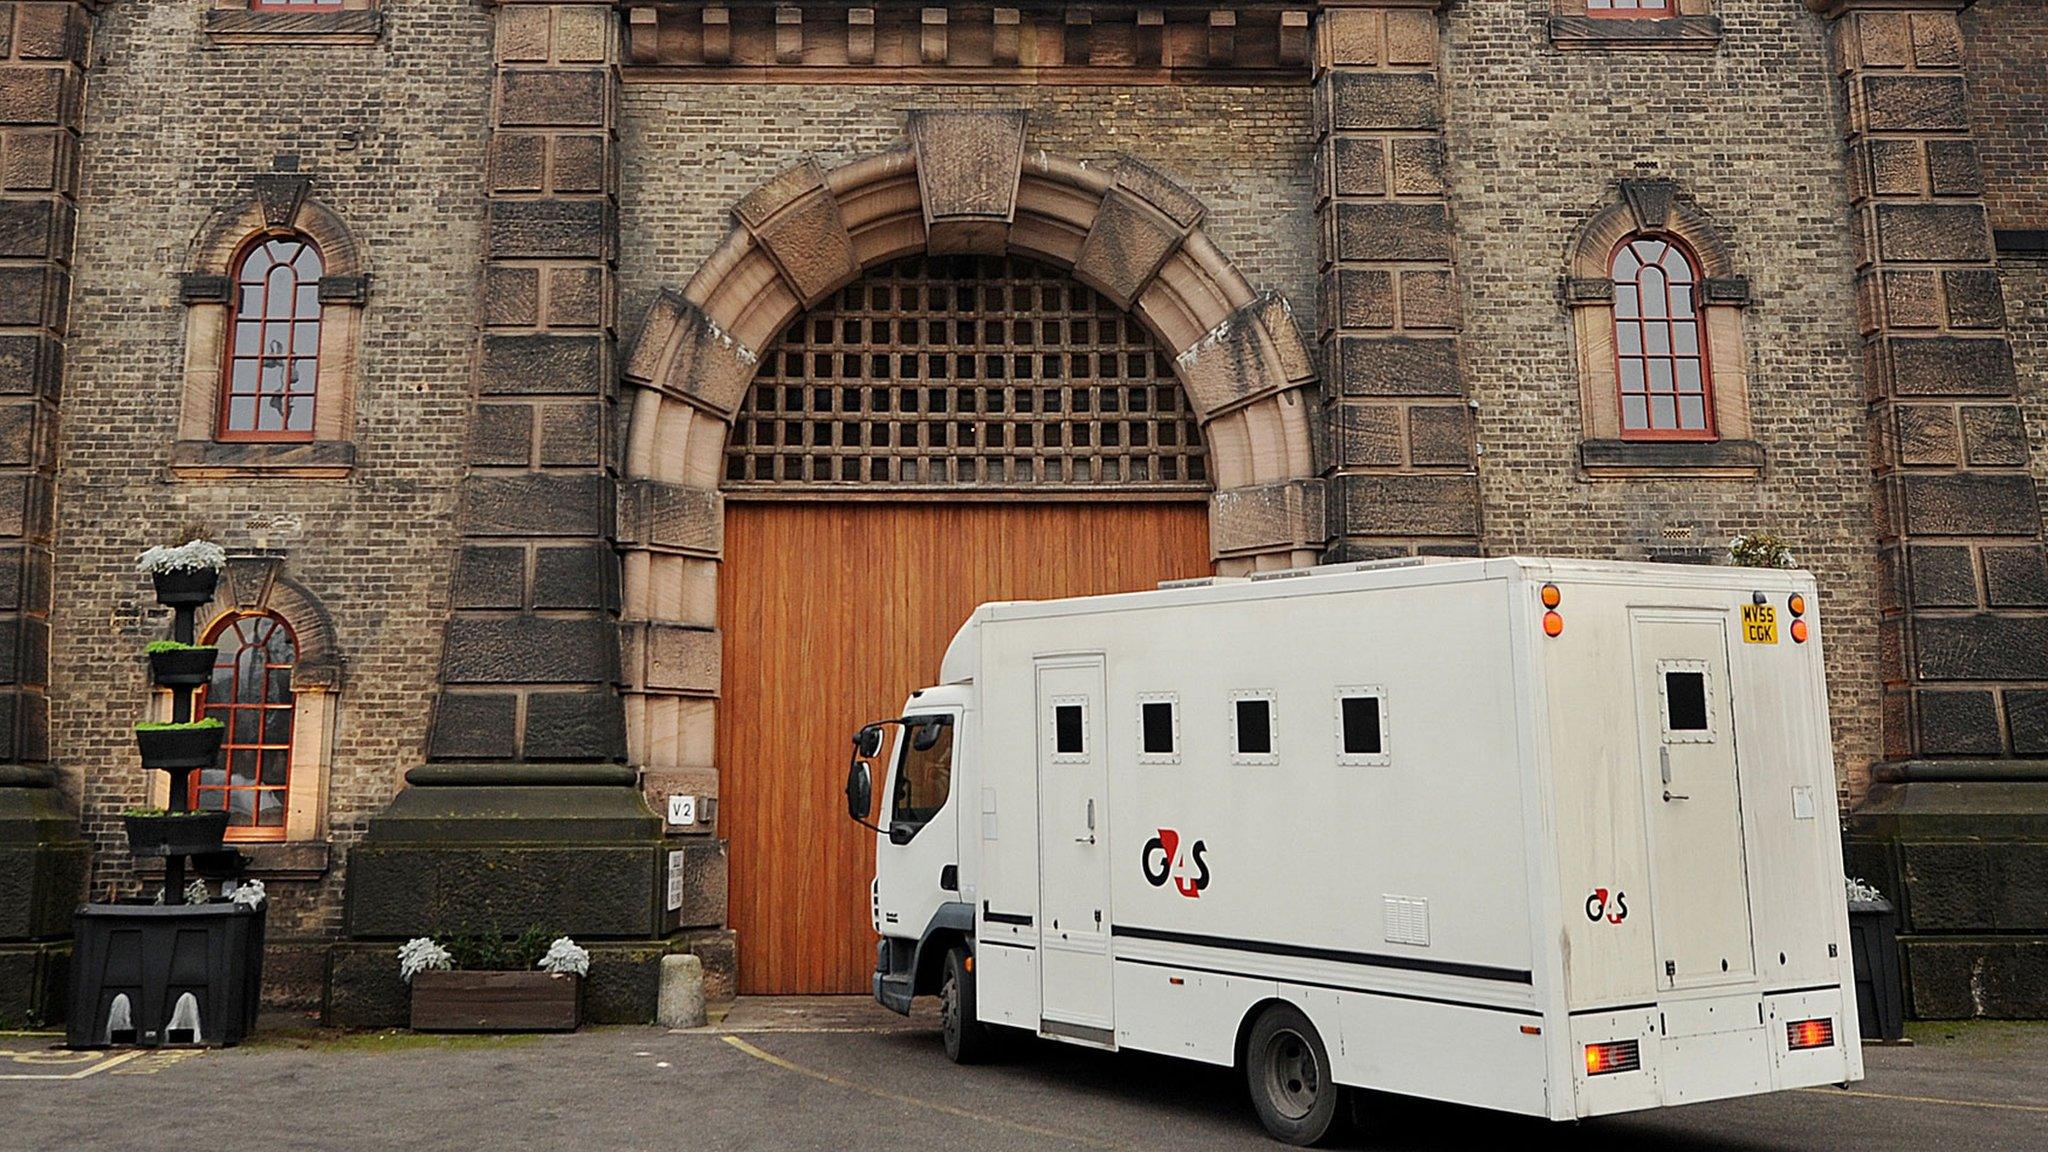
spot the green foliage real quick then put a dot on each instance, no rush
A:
(492, 952)
(164, 812)
(156, 646)
(1760, 550)
(187, 726)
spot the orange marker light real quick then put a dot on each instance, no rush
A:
(1797, 604)
(1799, 631)
(1551, 596)
(1613, 1056)
(1802, 1034)
(1553, 624)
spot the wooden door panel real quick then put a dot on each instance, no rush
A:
(831, 615)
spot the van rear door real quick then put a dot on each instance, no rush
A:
(1693, 795)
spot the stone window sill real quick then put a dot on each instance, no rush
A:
(236, 459)
(1669, 34)
(268, 860)
(1689, 459)
(272, 26)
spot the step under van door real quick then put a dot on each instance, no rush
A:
(1692, 792)
(1073, 851)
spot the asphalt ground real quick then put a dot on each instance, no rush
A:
(837, 1076)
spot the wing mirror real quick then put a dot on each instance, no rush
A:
(860, 782)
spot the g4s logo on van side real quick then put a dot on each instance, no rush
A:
(1163, 862)
(1596, 906)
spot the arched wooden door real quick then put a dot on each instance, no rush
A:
(943, 433)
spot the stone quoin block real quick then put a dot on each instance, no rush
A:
(580, 576)
(1440, 435)
(1382, 100)
(1926, 434)
(1369, 436)
(968, 163)
(1911, 103)
(1943, 576)
(530, 364)
(1982, 646)
(2016, 577)
(575, 726)
(568, 98)
(1958, 723)
(557, 229)
(530, 650)
(33, 229)
(501, 434)
(1258, 350)
(1933, 232)
(538, 504)
(573, 433)
(2026, 717)
(1975, 299)
(31, 96)
(475, 726)
(683, 353)
(1951, 366)
(1267, 517)
(1952, 168)
(490, 577)
(1408, 505)
(1393, 231)
(1994, 435)
(1398, 366)
(1969, 504)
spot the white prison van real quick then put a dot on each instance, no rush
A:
(1554, 837)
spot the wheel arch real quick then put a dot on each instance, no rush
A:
(952, 924)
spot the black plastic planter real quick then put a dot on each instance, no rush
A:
(186, 586)
(182, 667)
(174, 974)
(180, 749)
(1880, 987)
(176, 833)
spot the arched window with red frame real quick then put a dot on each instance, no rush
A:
(273, 364)
(1660, 342)
(251, 693)
(1625, 9)
(298, 4)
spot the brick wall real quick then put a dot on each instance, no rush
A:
(1535, 138)
(391, 135)
(691, 151)
(2005, 44)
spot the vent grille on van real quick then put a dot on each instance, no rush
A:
(1407, 920)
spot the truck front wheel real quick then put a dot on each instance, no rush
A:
(1288, 1071)
(967, 1039)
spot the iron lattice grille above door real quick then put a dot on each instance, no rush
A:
(982, 373)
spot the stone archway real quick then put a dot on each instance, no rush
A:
(962, 183)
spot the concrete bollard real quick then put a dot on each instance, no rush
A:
(682, 992)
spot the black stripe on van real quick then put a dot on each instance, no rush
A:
(1333, 955)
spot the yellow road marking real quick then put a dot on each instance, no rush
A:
(1928, 1100)
(101, 1066)
(913, 1101)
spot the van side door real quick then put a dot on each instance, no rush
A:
(1074, 850)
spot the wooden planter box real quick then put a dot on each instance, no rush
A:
(496, 1002)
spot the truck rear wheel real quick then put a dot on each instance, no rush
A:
(1288, 1071)
(968, 1040)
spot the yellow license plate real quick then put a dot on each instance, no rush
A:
(1759, 624)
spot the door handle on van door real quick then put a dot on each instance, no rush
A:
(1664, 764)
(1090, 837)
(1669, 796)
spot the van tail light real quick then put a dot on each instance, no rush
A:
(1803, 1034)
(1613, 1056)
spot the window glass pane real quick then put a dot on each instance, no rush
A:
(242, 413)
(277, 725)
(300, 418)
(270, 808)
(1686, 339)
(925, 776)
(242, 766)
(1635, 413)
(1663, 412)
(1254, 727)
(1631, 375)
(1361, 716)
(276, 766)
(1660, 375)
(1689, 376)
(1685, 701)
(1158, 724)
(1692, 413)
(1629, 337)
(1067, 730)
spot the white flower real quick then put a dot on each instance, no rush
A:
(564, 955)
(249, 893)
(421, 954)
(196, 892)
(191, 556)
(1861, 893)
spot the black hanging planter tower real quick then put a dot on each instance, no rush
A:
(171, 973)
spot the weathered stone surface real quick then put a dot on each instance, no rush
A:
(567, 229)
(1393, 231)
(582, 164)
(967, 168)
(1969, 504)
(1911, 103)
(2016, 577)
(34, 983)
(2026, 718)
(501, 434)
(1974, 297)
(683, 353)
(34, 96)
(1257, 351)
(400, 890)
(703, 888)
(1943, 576)
(1398, 366)
(1951, 366)
(1362, 298)
(1364, 100)
(1440, 435)
(31, 229)
(580, 726)
(1984, 646)
(490, 577)
(364, 989)
(536, 504)
(1983, 886)
(1126, 246)
(1408, 505)
(568, 97)
(542, 363)
(29, 364)
(530, 650)
(672, 517)
(1958, 723)
(573, 433)
(682, 992)
(1927, 434)
(475, 726)
(1994, 435)
(1952, 168)
(1266, 518)
(581, 576)
(1369, 436)
(678, 658)
(1962, 979)
(1158, 192)
(1358, 166)
(797, 221)
(1955, 232)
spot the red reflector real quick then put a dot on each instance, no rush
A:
(1613, 1056)
(1810, 1034)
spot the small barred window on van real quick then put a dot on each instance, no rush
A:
(1157, 717)
(1067, 730)
(1255, 727)
(1361, 719)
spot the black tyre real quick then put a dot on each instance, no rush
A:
(968, 1040)
(1288, 1071)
